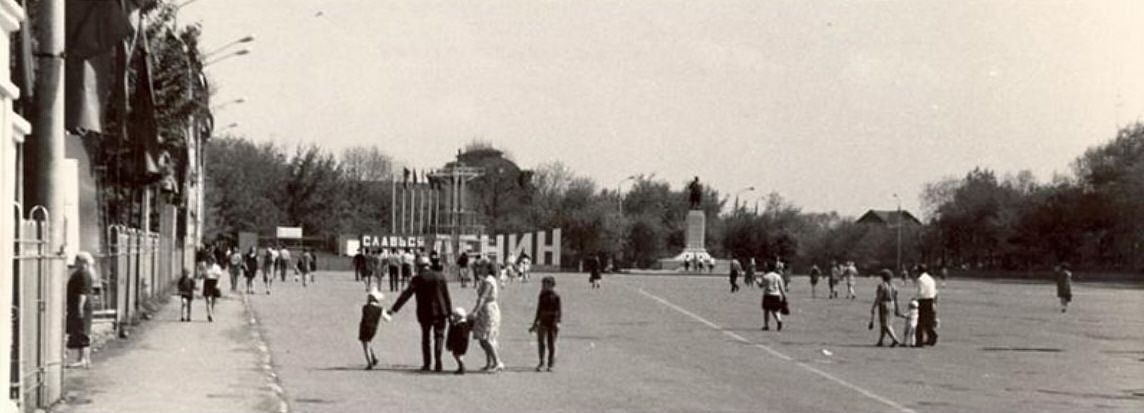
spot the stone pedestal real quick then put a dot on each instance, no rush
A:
(695, 243)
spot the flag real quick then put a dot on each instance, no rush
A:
(94, 28)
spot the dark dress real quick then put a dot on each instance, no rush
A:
(79, 319)
(458, 338)
(593, 265)
(370, 315)
(1064, 285)
(187, 288)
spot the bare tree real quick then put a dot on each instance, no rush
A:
(366, 164)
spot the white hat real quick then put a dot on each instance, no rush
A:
(459, 312)
(375, 296)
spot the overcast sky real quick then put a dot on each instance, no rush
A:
(835, 105)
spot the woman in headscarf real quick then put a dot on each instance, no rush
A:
(80, 290)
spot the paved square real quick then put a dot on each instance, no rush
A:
(683, 343)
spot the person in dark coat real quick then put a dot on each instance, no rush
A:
(1064, 286)
(433, 308)
(592, 264)
(80, 291)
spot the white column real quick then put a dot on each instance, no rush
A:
(12, 131)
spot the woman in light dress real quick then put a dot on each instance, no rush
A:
(486, 321)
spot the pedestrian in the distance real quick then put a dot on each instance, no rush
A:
(835, 274)
(251, 268)
(463, 268)
(211, 292)
(303, 267)
(371, 314)
(525, 267)
(1064, 285)
(361, 269)
(80, 290)
(433, 309)
(269, 267)
(850, 273)
(486, 321)
(457, 339)
(885, 296)
(235, 268)
(186, 287)
(593, 267)
(815, 273)
(546, 324)
(749, 280)
(774, 293)
(736, 268)
(285, 262)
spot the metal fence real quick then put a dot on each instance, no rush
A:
(133, 272)
(38, 359)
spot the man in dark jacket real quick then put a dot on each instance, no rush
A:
(433, 308)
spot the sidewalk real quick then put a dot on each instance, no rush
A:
(172, 366)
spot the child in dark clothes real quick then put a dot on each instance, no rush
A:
(186, 294)
(458, 337)
(547, 321)
(371, 313)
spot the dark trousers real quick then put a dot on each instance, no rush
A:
(393, 279)
(546, 340)
(927, 322)
(438, 329)
(734, 281)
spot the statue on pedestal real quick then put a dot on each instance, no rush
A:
(696, 193)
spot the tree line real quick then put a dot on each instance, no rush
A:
(1093, 218)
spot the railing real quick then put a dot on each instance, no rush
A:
(133, 273)
(35, 262)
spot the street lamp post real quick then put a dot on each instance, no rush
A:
(620, 196)
(747, 189)
(249, 38)
(227, 103)
(239, 52)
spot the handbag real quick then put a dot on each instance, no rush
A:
(785, 309)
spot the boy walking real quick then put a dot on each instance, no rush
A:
(546, 324)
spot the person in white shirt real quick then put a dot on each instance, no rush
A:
(774, 294)
(926, 334)
(211, 274)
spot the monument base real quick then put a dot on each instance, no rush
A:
(695, 247)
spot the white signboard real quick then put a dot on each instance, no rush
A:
(289, 233)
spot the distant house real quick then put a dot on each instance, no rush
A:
(888, 218)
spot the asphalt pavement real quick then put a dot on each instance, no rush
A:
(641, 343)
(648, 343)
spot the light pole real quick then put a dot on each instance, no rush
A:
(619, 196)
(239, 52)
(899, 228)
(249, 38)
(227, 103)
(747, 189)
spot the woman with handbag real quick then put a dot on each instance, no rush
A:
(774, 296)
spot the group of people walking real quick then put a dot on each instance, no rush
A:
(921, 317)
(437, 316)
(273, 261)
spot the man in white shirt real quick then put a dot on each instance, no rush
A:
(926, 333)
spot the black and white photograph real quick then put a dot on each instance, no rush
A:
(327, 206)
